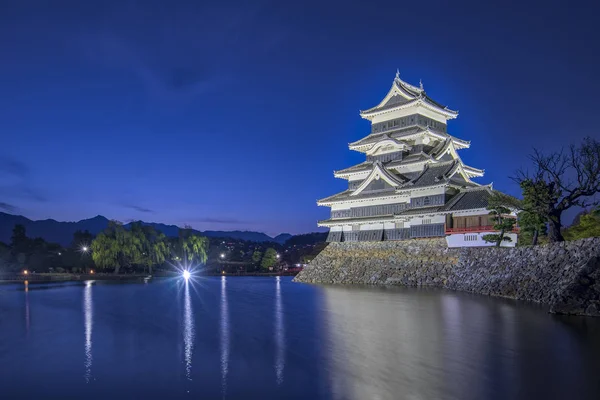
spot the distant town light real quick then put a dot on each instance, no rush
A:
(59, 253)
(278, 256)
(222, 255)
(91, 271)
(25, 272)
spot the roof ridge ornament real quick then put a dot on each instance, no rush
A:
(397, 73)
(421, 84)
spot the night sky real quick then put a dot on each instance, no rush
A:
(233, 115)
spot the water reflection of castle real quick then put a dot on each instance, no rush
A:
(413, 346)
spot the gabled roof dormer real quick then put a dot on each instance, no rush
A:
(378, 173)
(448, 147)
(404, 95)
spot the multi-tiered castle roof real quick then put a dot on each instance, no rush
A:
(413, 182)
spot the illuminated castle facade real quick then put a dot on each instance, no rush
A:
(413, 183)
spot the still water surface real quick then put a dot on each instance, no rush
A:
(262, 338)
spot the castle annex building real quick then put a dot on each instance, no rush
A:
(413, 183)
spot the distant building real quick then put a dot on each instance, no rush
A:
(413, 183)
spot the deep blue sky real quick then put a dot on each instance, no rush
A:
(234, 115)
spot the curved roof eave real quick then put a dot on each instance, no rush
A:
(446, 112)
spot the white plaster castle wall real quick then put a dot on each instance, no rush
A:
(433, 219)
(474, 239)
(371, 227)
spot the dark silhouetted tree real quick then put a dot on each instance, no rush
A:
(559, 181)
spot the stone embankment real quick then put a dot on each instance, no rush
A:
(565, 276)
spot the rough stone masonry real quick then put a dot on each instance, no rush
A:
(565, 276)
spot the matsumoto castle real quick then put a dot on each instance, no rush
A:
(413, 183)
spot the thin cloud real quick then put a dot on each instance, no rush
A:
(173, 81)
(16, 182)
(216, 220)
(139, 208)
(13, 167)
(177, 62)
(22, 191)
(8, 207)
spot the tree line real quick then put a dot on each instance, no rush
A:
(36, 254)
(143, 246)
(140, 247)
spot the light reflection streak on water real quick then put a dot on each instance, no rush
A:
(88, 325)
(279, 334)
(224, 336)
(27, 308)
(188, 330)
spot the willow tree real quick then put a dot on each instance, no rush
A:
(561, 180)
(190, 247)
(159, 250)
(116, 247)
(153, 246)
(105, 251)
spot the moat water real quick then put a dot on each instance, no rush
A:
(265, 338)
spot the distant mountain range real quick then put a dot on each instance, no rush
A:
(62, 232)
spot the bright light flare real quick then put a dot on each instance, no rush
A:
(84, 249)
(186, 274)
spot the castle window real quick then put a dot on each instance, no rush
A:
(426, 201)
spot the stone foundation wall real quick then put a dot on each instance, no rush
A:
(565, 276)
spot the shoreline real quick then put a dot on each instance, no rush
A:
(563, 275)
(67, 277)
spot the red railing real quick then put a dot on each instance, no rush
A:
(484, 228)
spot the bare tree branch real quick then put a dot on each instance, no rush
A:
(549, 189)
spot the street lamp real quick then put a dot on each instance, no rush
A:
(84, 249)
(278, 256)
(222, 255)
